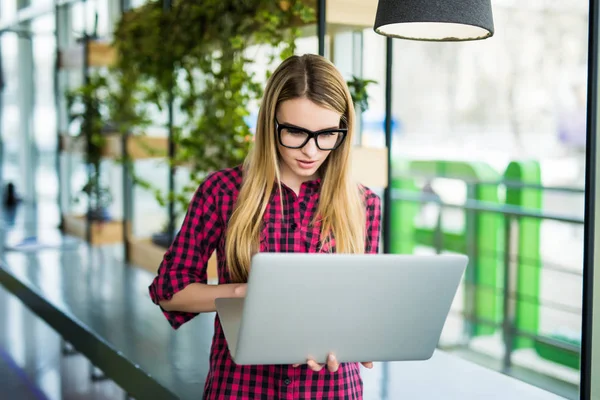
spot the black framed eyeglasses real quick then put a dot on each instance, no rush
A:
(295, 137)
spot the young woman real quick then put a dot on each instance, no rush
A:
(294, 193)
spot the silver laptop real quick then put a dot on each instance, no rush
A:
(368, 307)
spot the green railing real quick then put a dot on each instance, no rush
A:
(501, 235)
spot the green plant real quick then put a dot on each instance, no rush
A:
(200, 54)
(88, 113)
(358, 90)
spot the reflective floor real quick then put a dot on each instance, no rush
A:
(15, 382)
(32, 365)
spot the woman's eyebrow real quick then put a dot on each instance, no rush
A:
(301, 127)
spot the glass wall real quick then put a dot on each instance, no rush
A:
(470, 119)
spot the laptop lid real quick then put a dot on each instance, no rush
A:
(366, 307)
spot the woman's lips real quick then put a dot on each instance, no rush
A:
(306, 164)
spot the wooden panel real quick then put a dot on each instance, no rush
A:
(100, 54)
(110, 232)
(147, 147)
(71, 144)
(147, 255)
(342, 14)
(351, 13)
(369, 166)
(138, 146)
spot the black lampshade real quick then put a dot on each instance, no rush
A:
(435, 20)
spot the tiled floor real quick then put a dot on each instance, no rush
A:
(32, 365)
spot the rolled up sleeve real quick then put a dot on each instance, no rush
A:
(186, 259)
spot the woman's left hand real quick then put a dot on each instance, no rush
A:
(332, 364)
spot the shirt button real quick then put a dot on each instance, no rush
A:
(303, 205)
(294, 226)
(287, 381)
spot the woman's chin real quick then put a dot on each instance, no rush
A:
(306, 173)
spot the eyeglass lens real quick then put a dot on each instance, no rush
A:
(291, 137)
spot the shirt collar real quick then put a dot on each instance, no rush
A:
(307, 187)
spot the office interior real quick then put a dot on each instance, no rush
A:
(485, 148)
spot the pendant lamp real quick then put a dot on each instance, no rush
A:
(435, 20)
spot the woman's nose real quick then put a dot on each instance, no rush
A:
(310, 149)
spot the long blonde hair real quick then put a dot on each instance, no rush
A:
(340, 208)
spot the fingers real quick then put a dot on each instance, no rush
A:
(332, 363)
(315, 366)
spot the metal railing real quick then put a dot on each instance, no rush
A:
(512, 299)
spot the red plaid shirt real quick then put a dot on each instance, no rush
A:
(186, 260)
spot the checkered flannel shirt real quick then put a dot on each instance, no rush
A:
(186, 260)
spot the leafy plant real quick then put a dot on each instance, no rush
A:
(358, 91)
(87, 111)
(199, 56)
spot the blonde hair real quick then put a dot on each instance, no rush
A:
(341, 209)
